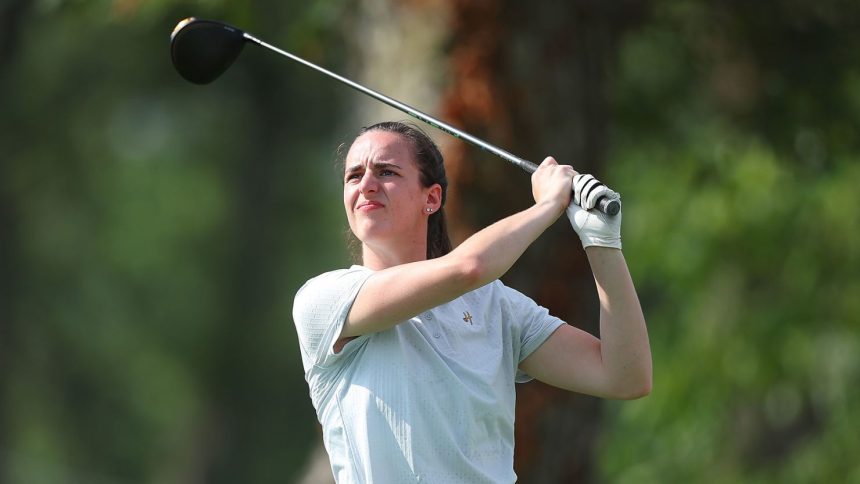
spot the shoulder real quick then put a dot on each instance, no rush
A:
(508, 302)
(335, 276)
(331, 283)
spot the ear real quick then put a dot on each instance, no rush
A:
(434, 198)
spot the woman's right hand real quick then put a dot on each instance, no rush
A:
(551, 184)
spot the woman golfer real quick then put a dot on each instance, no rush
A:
(411, 357)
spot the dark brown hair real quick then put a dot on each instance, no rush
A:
(432, 169)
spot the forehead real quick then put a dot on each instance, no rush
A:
(380, 146)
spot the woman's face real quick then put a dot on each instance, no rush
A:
(382, 193)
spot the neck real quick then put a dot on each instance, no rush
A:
(378, 257)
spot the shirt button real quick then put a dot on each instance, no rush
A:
(436, 335)
(428, 316)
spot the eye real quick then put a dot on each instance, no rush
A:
(386, 171)
(352, 176)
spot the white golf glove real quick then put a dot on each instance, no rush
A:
(594, 227)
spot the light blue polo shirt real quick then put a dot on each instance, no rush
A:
(429, 400)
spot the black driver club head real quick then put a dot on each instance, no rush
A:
(202, 50)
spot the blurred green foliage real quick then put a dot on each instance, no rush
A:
(153, 233)
(735, 144)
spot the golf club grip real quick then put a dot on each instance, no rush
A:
(609, 206)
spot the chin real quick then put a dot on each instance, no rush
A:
(369, 232)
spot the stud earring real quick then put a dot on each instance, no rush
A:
(429, 209)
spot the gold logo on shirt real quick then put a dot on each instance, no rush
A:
(467, 317)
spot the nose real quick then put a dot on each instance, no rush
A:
(368, 183)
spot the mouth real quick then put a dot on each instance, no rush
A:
(368, 205)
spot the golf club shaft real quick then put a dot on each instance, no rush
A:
(525, 165)
(604, 205)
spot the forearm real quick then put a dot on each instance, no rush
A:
(492, 251)
(398, 293)
(624, 346)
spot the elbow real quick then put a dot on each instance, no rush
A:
(640, 392)
(634, 389)
(639, 389)
(472, 272)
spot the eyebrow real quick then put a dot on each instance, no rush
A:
(379, 165)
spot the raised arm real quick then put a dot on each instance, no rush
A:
(398, 293)
(618, 365)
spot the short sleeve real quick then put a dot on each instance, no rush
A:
(320, 309)
(535, 325)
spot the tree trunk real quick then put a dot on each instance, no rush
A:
(533, 80)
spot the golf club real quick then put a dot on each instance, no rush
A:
(202, 50)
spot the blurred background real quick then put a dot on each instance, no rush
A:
(153, 233)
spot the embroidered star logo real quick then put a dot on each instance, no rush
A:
(467, 317)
